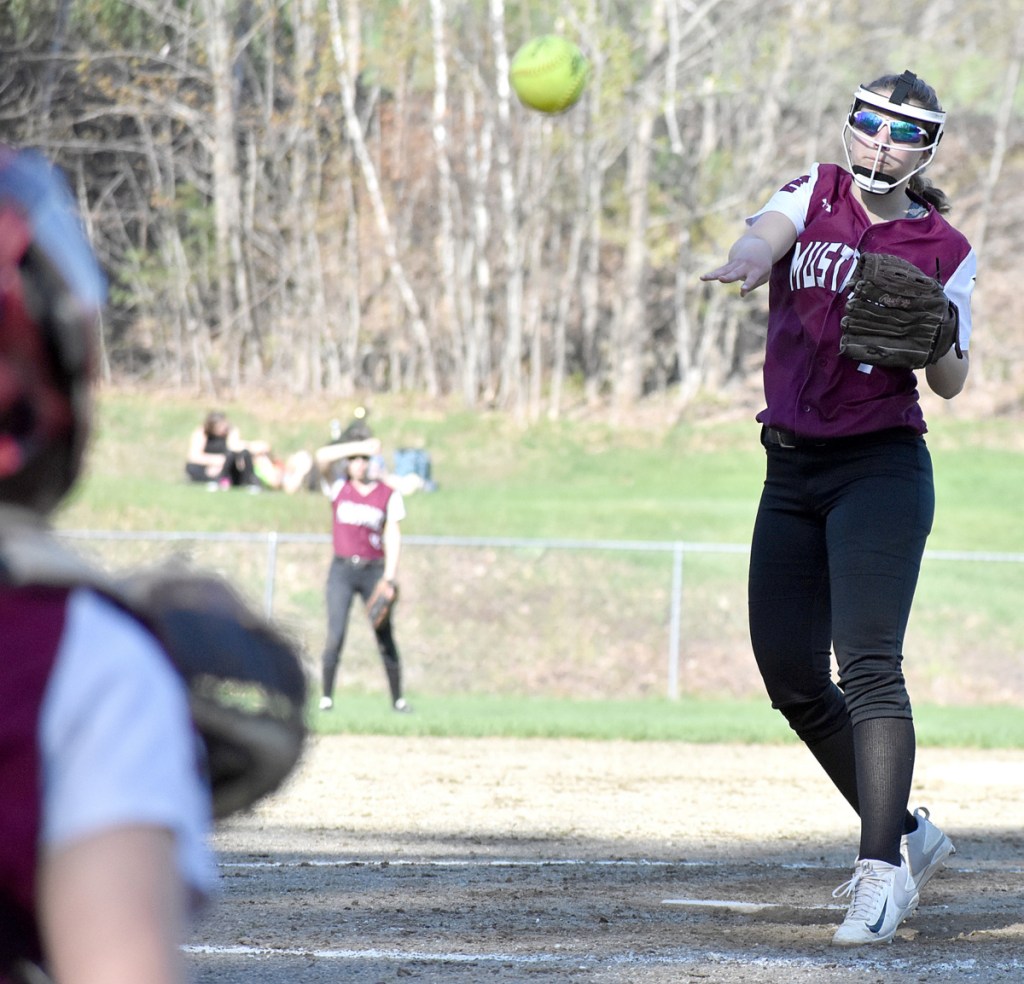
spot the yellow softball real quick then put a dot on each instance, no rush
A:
(549, 73)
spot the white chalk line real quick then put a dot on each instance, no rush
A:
(460, 863)
(734, 905)
(687, 956)
(964, 869)
(372, 954)
(674, 956)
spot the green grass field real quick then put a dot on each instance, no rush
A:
(690, 481)
(657, 719)
(695, 482)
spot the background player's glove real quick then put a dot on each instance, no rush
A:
(381, 601)
(246, 685)
(896, 316)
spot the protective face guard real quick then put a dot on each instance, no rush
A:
(74, 289)
(51, 293)
(893, 104)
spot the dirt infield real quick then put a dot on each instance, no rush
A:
(506, 861)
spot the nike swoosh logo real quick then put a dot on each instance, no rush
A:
(877, 927)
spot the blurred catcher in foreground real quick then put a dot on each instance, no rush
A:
(104, 686)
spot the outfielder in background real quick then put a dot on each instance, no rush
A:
(107, 794)
(367, 540)
(848, 498)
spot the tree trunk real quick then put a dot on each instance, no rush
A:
(1004, 117)
(305, 299)
(448, 316)
(230, 276)
(479, 150)
(511, 387)
(630, 328)
(354, 133)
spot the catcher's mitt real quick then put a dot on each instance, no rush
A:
(26, 972)
(382, 600)
(896, 316)
(246, 685)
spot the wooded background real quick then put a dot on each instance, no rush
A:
(344, 196)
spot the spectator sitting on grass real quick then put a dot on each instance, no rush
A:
(218, 455)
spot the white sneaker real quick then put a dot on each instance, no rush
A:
(881, 897)
(326, 703)
(925, 850)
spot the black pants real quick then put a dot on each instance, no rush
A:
(835, 557)
(345, 580)
(238, 470)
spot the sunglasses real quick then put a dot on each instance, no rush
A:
(900, 131)
(359, 457)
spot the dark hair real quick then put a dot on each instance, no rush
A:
(358, 430)
(925, 96)
(213, 418)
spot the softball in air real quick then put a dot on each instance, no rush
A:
(549, 73)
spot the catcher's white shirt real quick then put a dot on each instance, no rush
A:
(116, 739)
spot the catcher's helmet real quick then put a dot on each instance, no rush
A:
(51, 294)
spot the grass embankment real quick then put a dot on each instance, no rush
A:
(692, 482)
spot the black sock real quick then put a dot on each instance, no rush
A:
(837, 757)
(885, 750)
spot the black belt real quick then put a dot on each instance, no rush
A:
(779, 437)
(359, 561)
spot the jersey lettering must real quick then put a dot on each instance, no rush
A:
(821, 264)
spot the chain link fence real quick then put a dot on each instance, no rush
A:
(588, 619)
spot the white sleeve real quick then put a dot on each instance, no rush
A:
(396, 507)
(958, 289)
(793, 200)
(118, 744)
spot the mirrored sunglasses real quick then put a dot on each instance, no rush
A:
(900, 131)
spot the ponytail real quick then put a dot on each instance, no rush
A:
(922, 188)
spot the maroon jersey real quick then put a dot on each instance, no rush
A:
(358, 519)
(33, 623)
(76, 756)
(809, 387)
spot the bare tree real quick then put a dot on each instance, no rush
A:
(234, 303)
(358, 222)
(478, 127)
(354, 133)
(568, 300)
(450, 311)
(1000, 140)
(306, 307)
(630, 317)
(511, 385)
